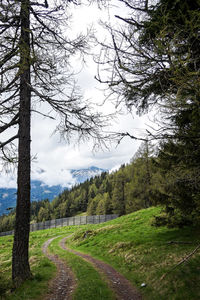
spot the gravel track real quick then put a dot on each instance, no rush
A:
(62, 286)
(121, 287)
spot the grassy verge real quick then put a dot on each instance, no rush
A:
(90, 284)
(144, 253)
(130, 244)
(5, 264)
(42, 269)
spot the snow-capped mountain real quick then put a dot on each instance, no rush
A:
(84, 174)
(40, 190)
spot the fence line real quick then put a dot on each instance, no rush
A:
(78, 220)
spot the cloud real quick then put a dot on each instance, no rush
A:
(53, 155)
(8, 181)
(54, 177)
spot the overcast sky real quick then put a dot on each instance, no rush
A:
(54, 158)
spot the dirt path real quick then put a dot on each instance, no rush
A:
(62, 286)
(119, 284)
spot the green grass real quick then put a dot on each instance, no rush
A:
(143, 254)
(42, 269)
(5, 263)
(79, 214)
(90, 284)
(130, 244)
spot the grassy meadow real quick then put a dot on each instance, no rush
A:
(141, 252)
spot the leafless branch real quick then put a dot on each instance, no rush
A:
(3, 144)
(14, 121)
(44, 115)
(181, 262)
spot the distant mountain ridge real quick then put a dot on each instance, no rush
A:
(84, 174)
(41, 191)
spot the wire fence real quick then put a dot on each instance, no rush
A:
(78, 220)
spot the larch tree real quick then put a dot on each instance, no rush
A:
(118, 195)
(35, 52)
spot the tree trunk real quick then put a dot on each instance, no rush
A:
(20, 258)
(148, 176)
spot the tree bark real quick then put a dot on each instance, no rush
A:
(20, 258)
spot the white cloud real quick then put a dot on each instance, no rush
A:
(8, 181)
(54, 156)
(53, 176)
(114, 169)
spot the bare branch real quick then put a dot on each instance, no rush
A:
(2, 145)
(130, 21)
(181, 262)
(44, 115)
(137, 8)
(14, 121)
(8, 56)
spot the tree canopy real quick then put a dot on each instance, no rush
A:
(154, 61)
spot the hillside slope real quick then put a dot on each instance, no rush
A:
(144, 253)
(139, 251)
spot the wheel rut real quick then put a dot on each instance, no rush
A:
(62, 286)
(121, 287)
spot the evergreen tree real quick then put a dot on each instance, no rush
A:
(156, 62)
(100, 210)
(118, 195)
